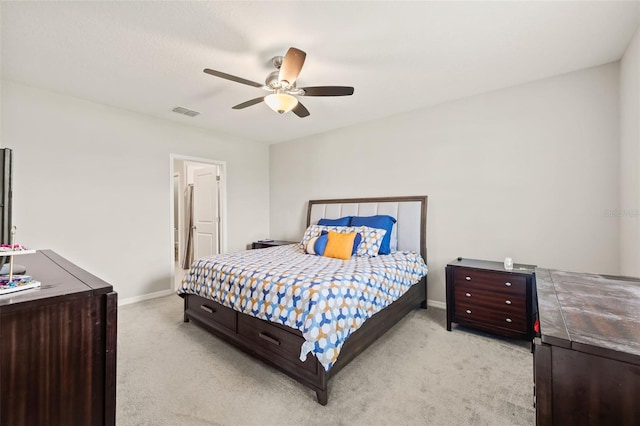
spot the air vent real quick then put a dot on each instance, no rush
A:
(185, 111)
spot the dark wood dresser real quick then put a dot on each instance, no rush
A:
(587, 357)
(58, 347)
(483, 295)
(270, 243)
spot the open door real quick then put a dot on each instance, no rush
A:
(205, 212)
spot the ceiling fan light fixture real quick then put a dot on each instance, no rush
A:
(281, 102)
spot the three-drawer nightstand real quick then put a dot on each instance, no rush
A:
(260, 244)
(484, 295)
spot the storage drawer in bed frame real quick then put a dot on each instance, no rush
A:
(277, 342)
(211, 314)
(273, 343)
(279, 345)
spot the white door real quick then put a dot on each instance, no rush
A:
(205, 212)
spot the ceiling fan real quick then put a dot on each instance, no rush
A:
(282, 85)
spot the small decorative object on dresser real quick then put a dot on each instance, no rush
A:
(486, 296)
(260, 244)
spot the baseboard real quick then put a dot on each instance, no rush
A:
(436, 304)
(137, 299)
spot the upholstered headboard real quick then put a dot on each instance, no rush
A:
(410, 213)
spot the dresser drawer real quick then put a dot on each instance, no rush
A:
(211, 313)
(501, 282)
(271, 338)
(476, 295)
(508, 317)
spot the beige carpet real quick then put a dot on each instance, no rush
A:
(174, 373)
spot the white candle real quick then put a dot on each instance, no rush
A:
(508, 263)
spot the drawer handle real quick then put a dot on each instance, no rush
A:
(269, 339)
(468, 294)
(508, 302)
(207, 309)
(508, 319)
(508, 284)
(467, 278)
(468, 311)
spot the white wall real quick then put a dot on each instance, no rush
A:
(527, 172)
(93, 183)
(629, 211)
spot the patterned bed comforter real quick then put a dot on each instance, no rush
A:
(326, 299)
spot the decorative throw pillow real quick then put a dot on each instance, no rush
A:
(343, 221)
(320, 244)
(317, 245)
(340, 245)
(311, 231)
(371, 241)
(372, 236)
(356, 243)
(310, 247)
(316, 230)
(381, 222)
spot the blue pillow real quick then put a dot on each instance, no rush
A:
(343, 221)
(356, 243)
(321, 243)
(380, 222)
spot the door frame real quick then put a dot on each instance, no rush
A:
(223, 204)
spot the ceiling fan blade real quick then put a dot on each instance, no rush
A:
(328, 91)
(291, 65)
(232, 77)
(300, 111)
(249, 103)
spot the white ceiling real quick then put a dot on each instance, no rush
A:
(400, 56)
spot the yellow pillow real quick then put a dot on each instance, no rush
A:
(339, 245)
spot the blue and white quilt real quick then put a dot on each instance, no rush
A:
(326, 299)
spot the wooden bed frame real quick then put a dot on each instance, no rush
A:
(279, 345)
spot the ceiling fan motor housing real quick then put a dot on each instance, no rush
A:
(272, 80)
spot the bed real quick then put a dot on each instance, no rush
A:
(267, 309)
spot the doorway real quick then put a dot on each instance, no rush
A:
(198, 212)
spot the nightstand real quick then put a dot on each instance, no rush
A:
(260, 244)
(484, 295)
